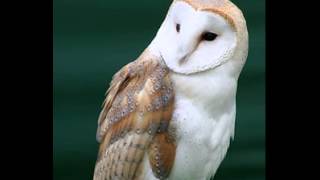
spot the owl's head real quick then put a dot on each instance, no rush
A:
(198, 35)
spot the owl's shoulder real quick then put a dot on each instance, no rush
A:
(140, 85)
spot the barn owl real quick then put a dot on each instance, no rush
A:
(170, 114)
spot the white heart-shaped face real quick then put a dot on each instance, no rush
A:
(187, 41)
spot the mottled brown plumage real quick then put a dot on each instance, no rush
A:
(134, 122)
(161, 154)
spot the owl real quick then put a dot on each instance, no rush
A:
(170, 114)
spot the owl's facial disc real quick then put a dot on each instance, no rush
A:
(191, 41)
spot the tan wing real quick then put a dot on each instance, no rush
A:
(134, 122)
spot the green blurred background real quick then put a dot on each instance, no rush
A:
(94, 38)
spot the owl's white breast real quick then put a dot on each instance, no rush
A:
(204, 117)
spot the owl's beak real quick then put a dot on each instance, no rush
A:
(183, 59)
(186, 56)
(187, 51)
